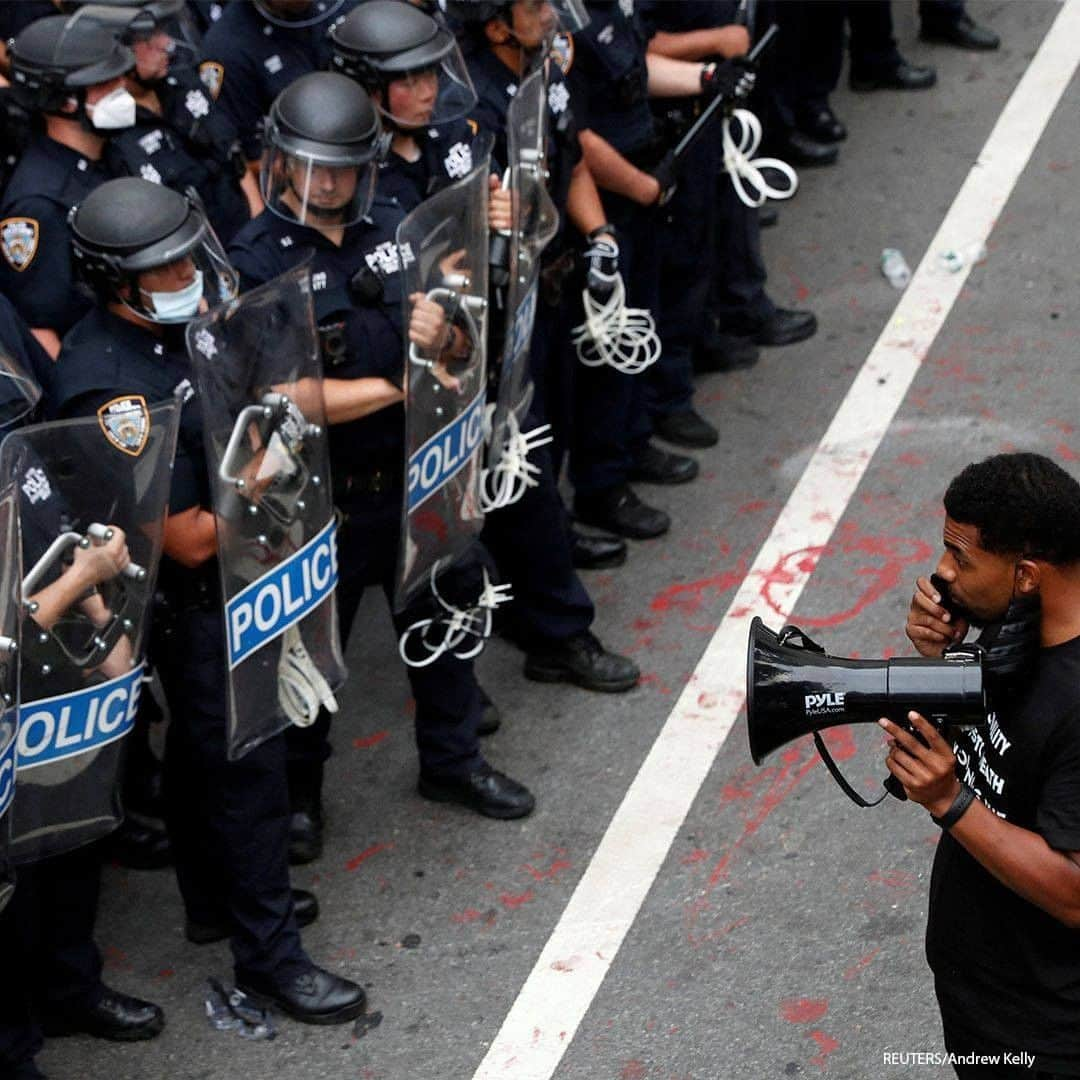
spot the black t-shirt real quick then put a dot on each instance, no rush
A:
(1006, 971)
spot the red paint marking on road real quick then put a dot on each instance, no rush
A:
(652, 679)
(1059, 166)
(645, 624)
(115, 958)
(562, 965)
(710, 936)
(552, 871)
(916, 461)
(1063, 426)
(166, 973)
(509, 900)
(827, 1044)
(754, 507)
(694, 856)
(706, 700)
(366, 854)
(893, 879)
(469, 915)
(804, 1010)
(633, 1070)
(689, 596)
(860, 964)
(367, 741)
(1066, 452)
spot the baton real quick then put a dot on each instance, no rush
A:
(717, 103)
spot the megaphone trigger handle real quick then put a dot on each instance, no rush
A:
(839, 777)
(789, 631)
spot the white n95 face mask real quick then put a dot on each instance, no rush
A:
(179, 306)
(114, 111)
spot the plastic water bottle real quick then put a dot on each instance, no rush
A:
(894, 266)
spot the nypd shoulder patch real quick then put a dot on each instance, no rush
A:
(212, 75)
(125, 422)
(19, 241)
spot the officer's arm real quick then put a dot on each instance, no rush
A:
(249, 185)
(48, 339)
(672, 78)
(353, 399)
(191, 536)
(583, 203)
(725, 41)
(614, 173)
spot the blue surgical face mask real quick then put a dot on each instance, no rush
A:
(179, 306)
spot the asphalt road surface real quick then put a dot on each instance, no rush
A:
(782, 934)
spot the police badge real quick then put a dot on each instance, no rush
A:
(562, 51)
(19, 241)
(126, 423)
(212, 75)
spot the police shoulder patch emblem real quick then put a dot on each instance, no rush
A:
(19, 241)
(212, 75)
(126, 423)
(562, 51)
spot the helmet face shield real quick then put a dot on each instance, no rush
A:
(313, 191)
(571, 14)
(428, 96)
(297, 14)
(170, 45)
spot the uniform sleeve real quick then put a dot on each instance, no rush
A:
(253, 269)
(1057, 817)
(15, 336)
(36, 270)
(238, 97)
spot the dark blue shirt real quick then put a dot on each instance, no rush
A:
(373, 340)
(17, 341)
(445, 157)
(36, 270)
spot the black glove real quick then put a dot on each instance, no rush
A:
(730, 79)
(666, 175)
(602, 265)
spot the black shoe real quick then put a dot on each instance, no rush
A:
(25, 1070)
(786, 327)
(798, 149)
(619, 510)
(583, 661)
(305, 908)
(724, 352)
(315, 996)
(139, 845)
(821, 125)
(686, 429)
(486, 791)
(656, 466)
(901, 76)
(490, 718)
(963, 32)
(305, 830)
(590, 551)
(116, 1016)
(767, 217)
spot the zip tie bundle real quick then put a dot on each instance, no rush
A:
(301, 686)
(745, 170)
(457, 626)
(513, 474)
(625, 338)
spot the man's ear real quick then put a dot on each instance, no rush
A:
(1028, 577)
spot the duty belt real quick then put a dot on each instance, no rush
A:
(371, 480)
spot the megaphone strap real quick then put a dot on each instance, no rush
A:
(847, 789)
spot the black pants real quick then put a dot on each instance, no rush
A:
(448, 701)
(228, 820)
(959, 1041)
(50, 961)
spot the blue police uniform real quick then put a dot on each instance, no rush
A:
(609, 85)
(192, 143)
(248, 60)
(228, 820)
(36, 270)
(445, 156)
(367, 458)
(17, 341)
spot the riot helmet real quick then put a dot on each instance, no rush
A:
(408, 61)
(296, 14)
(322, 144)
(531, 24)
(151, 249)
(161, 33)
(63, 58)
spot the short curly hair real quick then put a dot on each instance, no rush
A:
(1023, 504)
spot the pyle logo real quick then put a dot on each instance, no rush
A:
(816, 704)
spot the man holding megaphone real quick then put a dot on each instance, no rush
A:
(1003, 932)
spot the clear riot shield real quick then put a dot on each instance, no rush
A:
(443, 246)
(19, 393)
(257, 366)
(93, 496)
(535, 222)
(10, 623)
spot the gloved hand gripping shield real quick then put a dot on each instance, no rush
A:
(444, 255)
(10, 625)
(92, 497)
(257, 366)
(508, 473)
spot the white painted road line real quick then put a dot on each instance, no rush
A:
(583, 946)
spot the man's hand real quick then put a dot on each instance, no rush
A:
(928, 772)
(500, 207)
(602, 265)
(732, 80)
(666, 180)
(930, 627)
(427, 324)
(99, 563)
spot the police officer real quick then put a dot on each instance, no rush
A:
(180, 136)
(154, 263)
(322, 140)
(53, 967)
(70, 71)
(256, 49)
(411, 66)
